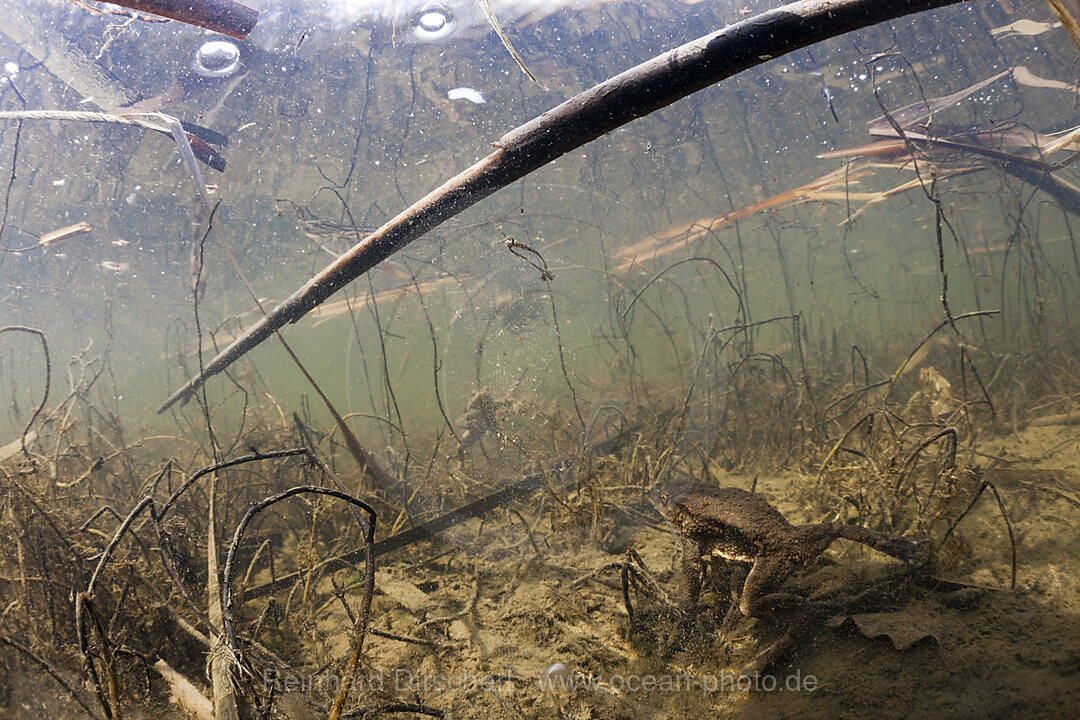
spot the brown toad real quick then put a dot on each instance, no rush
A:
(738, 525)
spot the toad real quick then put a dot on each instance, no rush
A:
(738, 525)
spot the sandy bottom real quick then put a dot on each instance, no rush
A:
(490, 612)
(956, 643)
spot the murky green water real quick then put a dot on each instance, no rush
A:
(341, 108)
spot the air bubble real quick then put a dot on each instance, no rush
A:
(432, 23)
(216, 59)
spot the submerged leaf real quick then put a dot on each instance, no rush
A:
(904, 628)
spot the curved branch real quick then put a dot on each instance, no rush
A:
(48, 377)
(368, 528)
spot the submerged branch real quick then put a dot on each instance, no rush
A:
(227, 17)
(634, 93)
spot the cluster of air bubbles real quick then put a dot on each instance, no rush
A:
(217, 59)
(432, 23)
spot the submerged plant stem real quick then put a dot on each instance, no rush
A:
(48, 377)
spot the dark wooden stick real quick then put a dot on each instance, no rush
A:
(520, 490)
(634, 93)
(227, 17)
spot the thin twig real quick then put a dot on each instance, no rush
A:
(1008, 525)
(47, 667)
(360, 628)
(48, 377)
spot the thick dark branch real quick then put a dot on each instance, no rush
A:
(224, 16)
(520, 490)
(581, 119)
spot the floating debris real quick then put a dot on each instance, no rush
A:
(1010, 148)
(497, 27)
(15, 446)
(1025, 27)
(325, 312)
(65, 233)
(467, 93)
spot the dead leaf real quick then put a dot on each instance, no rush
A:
(904, 628)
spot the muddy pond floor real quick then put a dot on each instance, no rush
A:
(524, 613)
(970, 647)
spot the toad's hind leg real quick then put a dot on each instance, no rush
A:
(898, 547)
(760, 600)
(693, 572)
(813, 539)
(759, 595)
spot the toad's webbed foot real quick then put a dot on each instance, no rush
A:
(913, 552)
(767, 658)
(794, 635)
